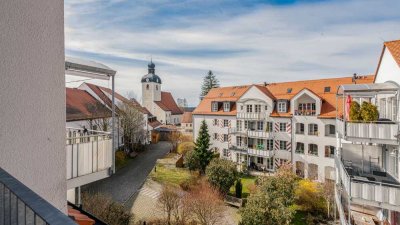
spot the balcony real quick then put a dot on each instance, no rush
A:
(20, 205)
(236, 131)
(251, 115)
(260, 152)
(239, 148)
(380, 132)
(89, 156)
(305, 112)
(375, 186)
(259, 134)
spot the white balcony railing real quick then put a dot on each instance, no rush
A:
(261, 153)
(259, 134)
(251, 116)
(368, 190)
(236, 131)
(377, 132)
(87, 152)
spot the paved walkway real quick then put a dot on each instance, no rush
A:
(127, 181)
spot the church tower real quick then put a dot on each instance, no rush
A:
(151, 88)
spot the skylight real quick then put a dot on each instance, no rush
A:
(327, 89)
(289, 90)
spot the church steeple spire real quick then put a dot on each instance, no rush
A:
(151, 67)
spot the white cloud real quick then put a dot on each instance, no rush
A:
(268, 43)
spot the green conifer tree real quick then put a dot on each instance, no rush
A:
(202, 148)
(210, 81)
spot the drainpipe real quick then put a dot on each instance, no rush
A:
(113, 124)
(293, 147)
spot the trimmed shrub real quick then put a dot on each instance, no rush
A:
(238, 188)
(355, 113)
(369, 112)
(221, 174)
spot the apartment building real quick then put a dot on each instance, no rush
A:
(367, 163)
(263, 126)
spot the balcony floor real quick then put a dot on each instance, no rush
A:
(379, 176)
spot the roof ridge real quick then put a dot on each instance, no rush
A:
(391, 41)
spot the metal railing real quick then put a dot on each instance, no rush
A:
(373, 131)
(253, 133)
(87, 152)
(305, 112)
(20, 205)
(260, 152)
(368, 190)
(251, 115)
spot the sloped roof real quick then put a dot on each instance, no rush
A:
(80, 105)
(394, 49)
(231, 94)
(168, 103)
(187, 117)
(100, 91)
(155, 124)
(280, 91)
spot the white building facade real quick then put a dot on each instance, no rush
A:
(262, 126)
(367, 163)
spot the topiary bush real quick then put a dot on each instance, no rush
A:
(369, 112)
(355, 113)
(238, 189)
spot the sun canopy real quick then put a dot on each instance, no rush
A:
(87, 68)
(368, 89)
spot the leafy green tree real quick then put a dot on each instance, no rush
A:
(273, 200)
(238, 188)
(191, 160)
(355, 114)
(201, 151)
(210, 81)
(369, 112)
(221, 174)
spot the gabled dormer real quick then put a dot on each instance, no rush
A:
(306, 103)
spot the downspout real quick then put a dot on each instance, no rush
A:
(113, 124)
(293, 147)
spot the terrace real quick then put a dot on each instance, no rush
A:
(383, 131)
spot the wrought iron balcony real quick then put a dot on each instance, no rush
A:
(88, 152)
(20, 205)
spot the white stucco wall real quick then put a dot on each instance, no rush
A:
(388, 70)
(32, 96)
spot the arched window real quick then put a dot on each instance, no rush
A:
(147, 87)
(299, 147)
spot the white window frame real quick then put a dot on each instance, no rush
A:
(260, 125)
(214, 106)
(227, 106)
(282, 144)
(226, 138)
(270, 144)
(282, 125)
(313, 129)
(249, 108)
(226, 123)
(309, 149)
(282, 107)
(257, 108)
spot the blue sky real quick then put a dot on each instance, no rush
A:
(243, 42)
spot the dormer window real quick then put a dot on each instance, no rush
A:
(282, 106)
(214, 106)
(289, 90)
(327, 89)
(227, 106)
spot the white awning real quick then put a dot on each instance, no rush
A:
(87, 68)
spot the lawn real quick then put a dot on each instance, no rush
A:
(247, 182)
(169, 175)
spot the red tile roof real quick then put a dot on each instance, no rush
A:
(280, 91)
(231, 94)
(394, 49)
(80, 105)
(168, 103)
(187, 117)
(154, 124)
(100, 91)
